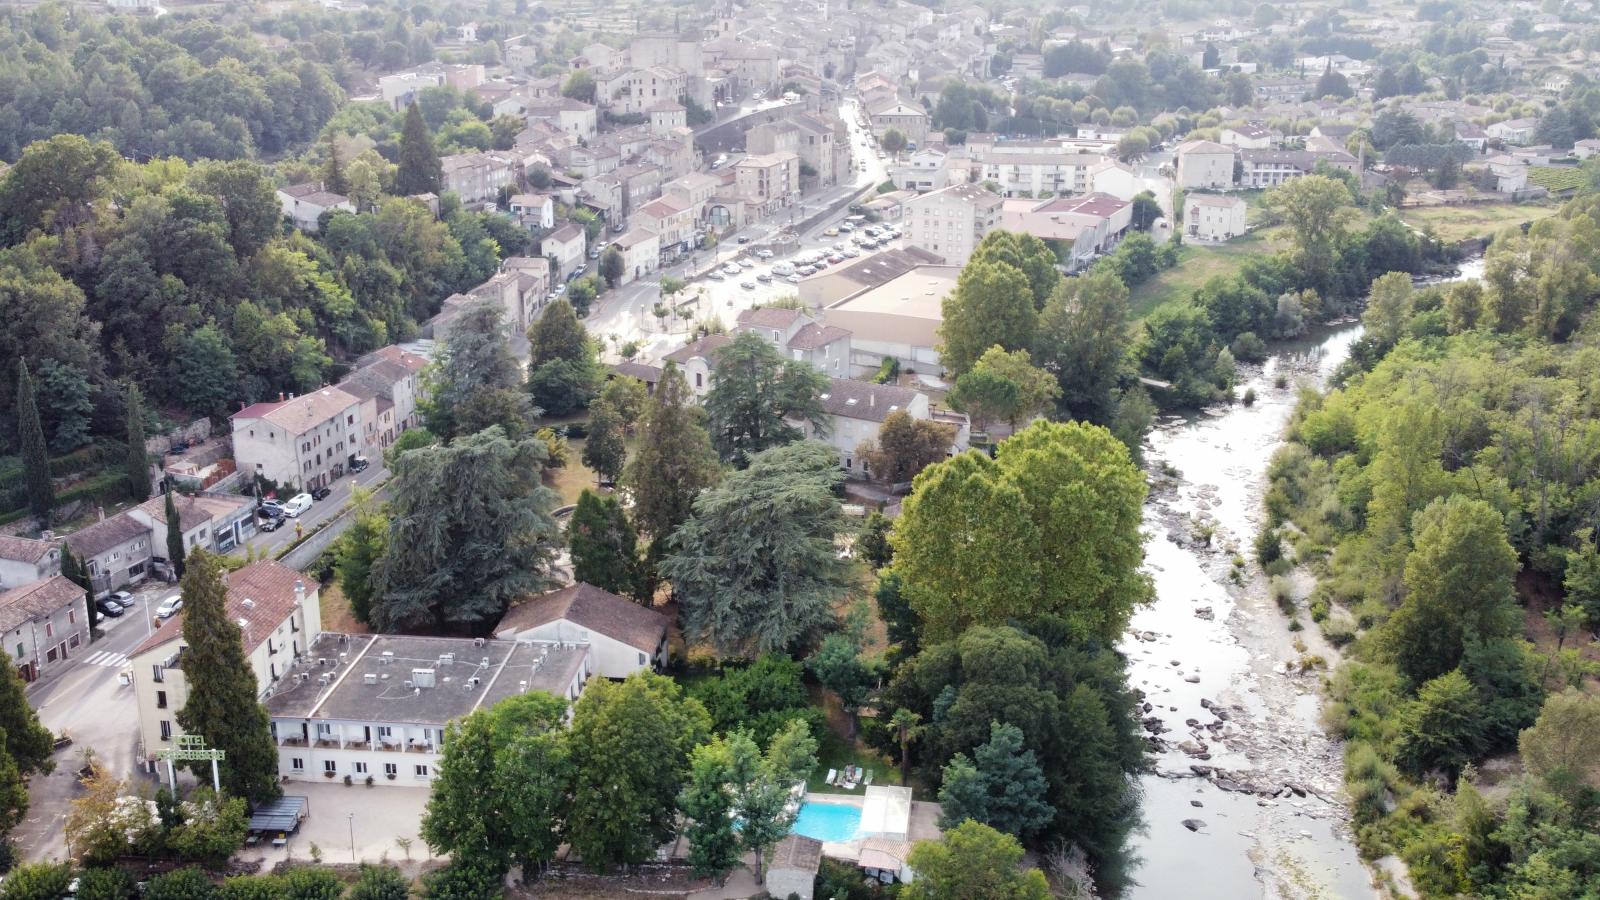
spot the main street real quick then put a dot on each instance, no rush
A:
(320, 511)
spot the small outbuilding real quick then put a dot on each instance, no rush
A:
(793, 870)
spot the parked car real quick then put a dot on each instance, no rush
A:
(832, 232)
(748, 285)
(731, 269)
(169, 607)
(869, 244)
(123, 598)
(847, 227)
(321, 493)
(836, 259)
(747, 264)
(177, 449)
(109, 607)
(849, 253)
(717, 276)
(272, 524)
(763, 254)
(744, 238)
(359, 464)
(297, 504)
(270, 509)
(793, 279)
(784, 269)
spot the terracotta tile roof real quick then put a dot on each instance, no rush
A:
(40, 598)
(102, 536)
(303, 413)
(267, 584)
(813, 336)
(705, 347)
(411, 361)
(797, 852)
(597, 610)
(768, 317)
(646, 374)
(865, 400)
(24, 549)
(192, 511)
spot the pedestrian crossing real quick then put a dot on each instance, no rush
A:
(106, 658)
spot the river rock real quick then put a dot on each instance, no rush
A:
(1192, 679)
(1204, 703)
(1176, 663)
(1193, 722)
(1193, 824)
(1193, 748)
(1196, 803)
(1204, 612)
(1202, 771)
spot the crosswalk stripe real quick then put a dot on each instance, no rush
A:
(107, 658)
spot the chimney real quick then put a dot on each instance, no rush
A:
(299, 592)
(280, 396)
(872, 400)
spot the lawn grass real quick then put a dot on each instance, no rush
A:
(1197, 263)
(836, 753)
(1460, 223)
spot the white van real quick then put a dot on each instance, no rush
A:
(297, 505)
(783, 269)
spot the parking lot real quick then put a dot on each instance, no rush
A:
(745, 290)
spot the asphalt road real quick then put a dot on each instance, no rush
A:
(320, 511)
(100, 714)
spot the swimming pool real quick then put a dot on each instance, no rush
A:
(830, 822)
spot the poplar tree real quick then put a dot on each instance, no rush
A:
(675, 461)
(174, 535)
(138, 457)
(419, 172)
(605, 450)
(223, 705)
(35, 458)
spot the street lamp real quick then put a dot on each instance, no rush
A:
(352, 837)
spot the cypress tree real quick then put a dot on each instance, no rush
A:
(174, 535)
(29, 744)
(420, 172)
(138, 458)
(76, 570)
(222, 705)
(333, 177)
(35, 458)
(675, 461)
(604, 549)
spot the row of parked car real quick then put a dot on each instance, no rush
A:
(273, 513)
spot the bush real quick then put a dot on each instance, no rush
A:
(1249, 398)
(251, 887)
(183, 884)
(37, 881)
(312, 883)
(1269, 546)
(1249, 348)
(113, 883)
(380, 883)
(461, 881)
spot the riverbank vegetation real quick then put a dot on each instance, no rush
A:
(1444, 492)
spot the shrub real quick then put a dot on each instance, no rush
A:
(183, 884)
(113, 883)
(380, 883)
(463, 880)
(38, 881)
(251, 887)
(1249, 398)
(1269, 546)
(311, 883)
(1249, 348)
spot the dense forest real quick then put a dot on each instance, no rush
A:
(1444, 491)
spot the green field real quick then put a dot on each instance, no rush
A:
(1557, 178)
(1460, 223)
(1197, 263)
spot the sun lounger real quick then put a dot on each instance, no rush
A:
(868, 779)
(832, 774)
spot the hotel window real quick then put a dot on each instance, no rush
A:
(160, 673)
(296, 764)
(421, 771)
(361, 768)
(161, 699)
(391, 769)
(166, 730)
(329, 766)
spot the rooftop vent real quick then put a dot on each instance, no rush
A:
(423, 677)
(247, 603)
(386, 658)
(370, 678)
(850, 402)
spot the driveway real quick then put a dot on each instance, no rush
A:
(374, 816)
(88, 702)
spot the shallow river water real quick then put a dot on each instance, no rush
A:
(1247, 801)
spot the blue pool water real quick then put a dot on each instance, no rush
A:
(829, 822)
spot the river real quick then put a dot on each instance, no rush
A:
(1247, 801)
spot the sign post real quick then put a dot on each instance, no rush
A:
(191, 747)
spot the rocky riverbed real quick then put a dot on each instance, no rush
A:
(1245, 799)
